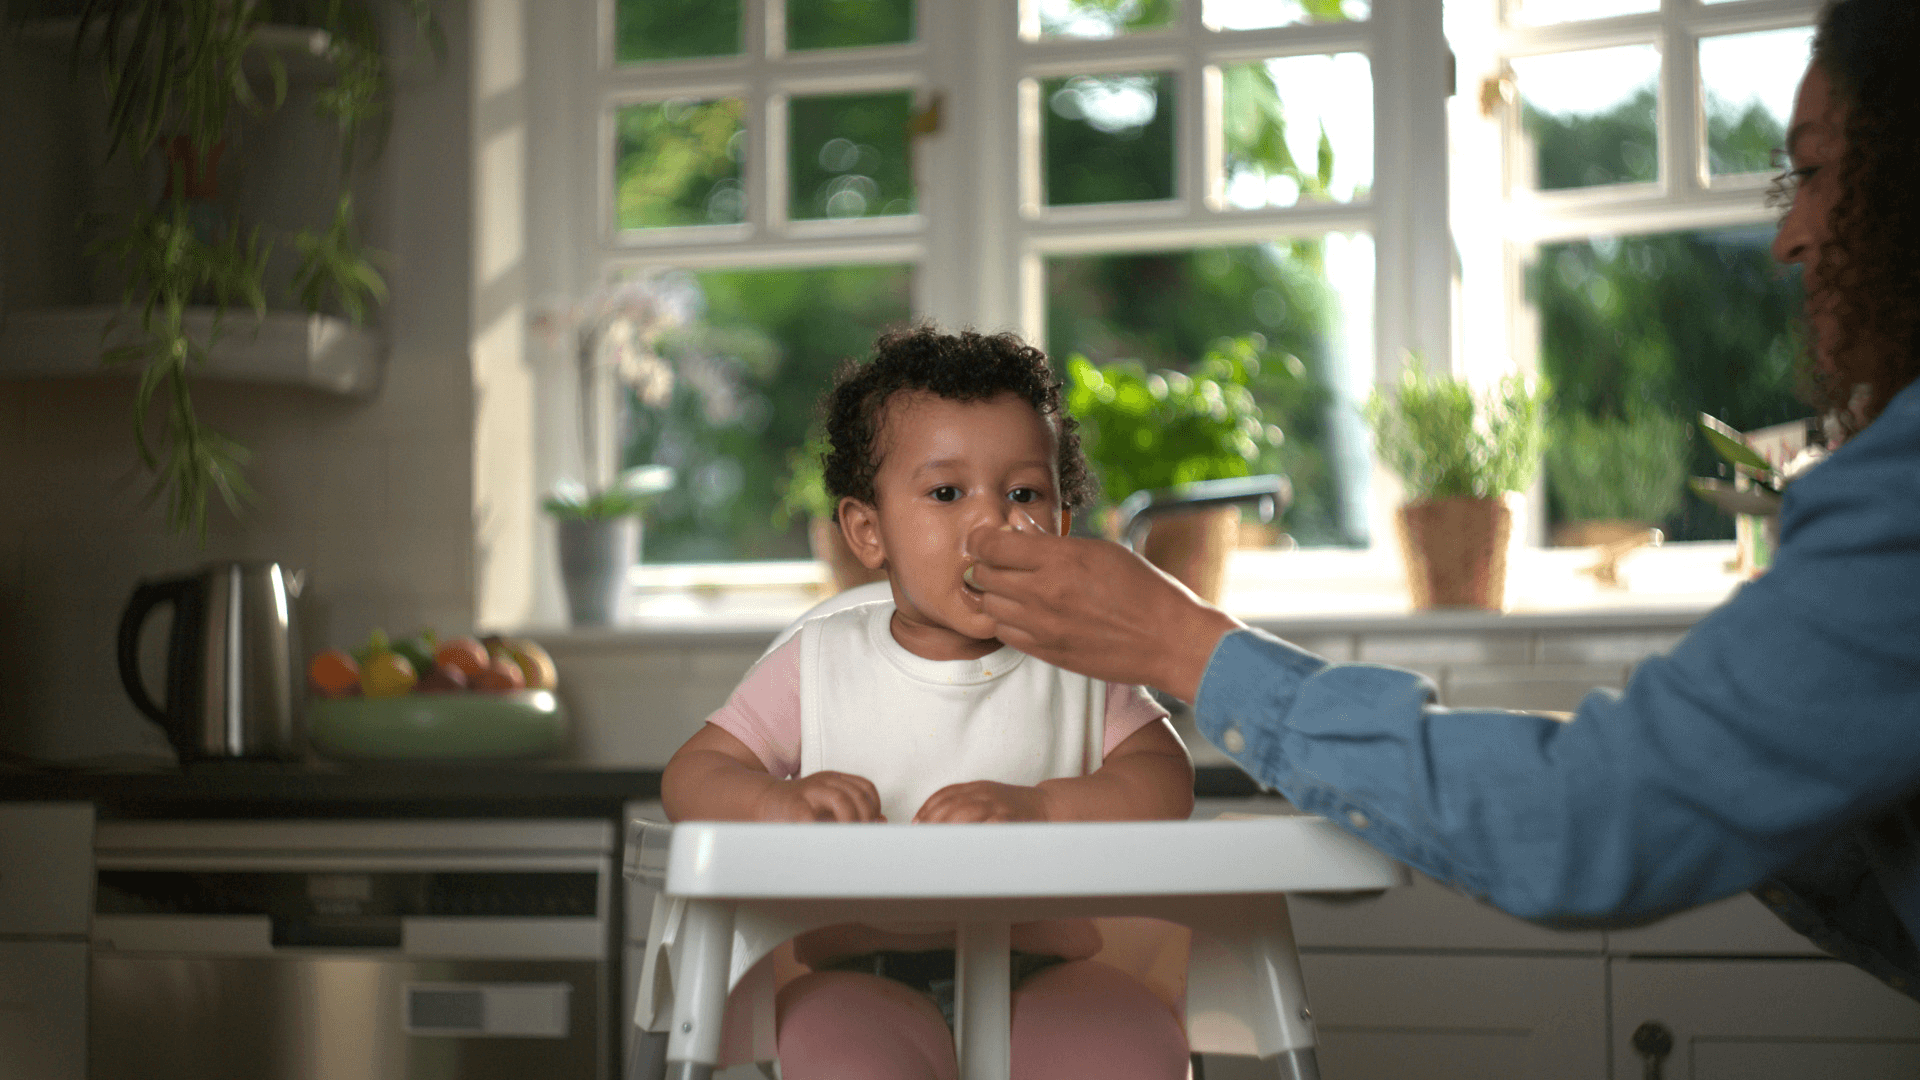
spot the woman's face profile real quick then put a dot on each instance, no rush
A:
(1815, 140)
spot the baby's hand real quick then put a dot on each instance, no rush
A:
(821, 796)
(983, 800)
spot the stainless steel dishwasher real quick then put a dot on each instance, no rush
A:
(352, 950)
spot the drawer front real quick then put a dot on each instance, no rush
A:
(1764, 1019)
(46, 868)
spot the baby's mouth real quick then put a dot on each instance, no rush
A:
(966, 581)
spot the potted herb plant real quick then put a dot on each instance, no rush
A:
(804, 495)
(600, 534)
(1613, 480)
(1147, 431)
(1458, 453)
(178, 78)
(614, 338)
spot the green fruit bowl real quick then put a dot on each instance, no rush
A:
(445, 727)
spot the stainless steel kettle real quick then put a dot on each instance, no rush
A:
(234, 686)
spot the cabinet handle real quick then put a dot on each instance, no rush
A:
(1653, 1042)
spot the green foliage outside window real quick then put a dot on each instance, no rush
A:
(1668, 325)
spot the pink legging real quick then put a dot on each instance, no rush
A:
(1081, 1020)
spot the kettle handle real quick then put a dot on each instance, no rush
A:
(146, 596)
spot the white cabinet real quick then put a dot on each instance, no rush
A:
(1411, 1017)
(43, 1010)
(46, 901)
(46, 869)
(1763, 1019)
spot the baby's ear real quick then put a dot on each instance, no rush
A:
(860, 525)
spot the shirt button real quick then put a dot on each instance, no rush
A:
(1774, 896)
(1233, 740)
(1360, 820)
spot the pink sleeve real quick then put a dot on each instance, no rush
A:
(1129, 708)
(764, 711)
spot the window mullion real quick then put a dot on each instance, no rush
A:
(1681, 117)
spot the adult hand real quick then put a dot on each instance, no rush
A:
(821, 796)
(1096, 608)
(982, 800)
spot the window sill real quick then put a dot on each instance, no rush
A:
(1297, 592)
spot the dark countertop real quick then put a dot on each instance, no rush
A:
(293, 790)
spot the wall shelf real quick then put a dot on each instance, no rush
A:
(288, 348)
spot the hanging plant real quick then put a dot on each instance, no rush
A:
(176, 78)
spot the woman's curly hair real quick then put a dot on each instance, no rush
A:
(1870, 263)
(959, 367)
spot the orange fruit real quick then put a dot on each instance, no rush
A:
(334, 673)
(464, 653)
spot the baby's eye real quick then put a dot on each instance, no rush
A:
(1024, 495)
(945, 493)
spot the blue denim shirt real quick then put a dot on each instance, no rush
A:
(1777, 748)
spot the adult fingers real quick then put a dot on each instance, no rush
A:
(1009, 548)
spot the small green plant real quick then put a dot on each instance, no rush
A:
(635, 491)
(1143, 431)
(804, 493)
(1445, 441)
(1627, 469)
(176, 79)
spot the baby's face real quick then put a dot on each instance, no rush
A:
(946, 468)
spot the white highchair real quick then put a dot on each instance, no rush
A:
(730, 894)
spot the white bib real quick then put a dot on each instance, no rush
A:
(913, 726)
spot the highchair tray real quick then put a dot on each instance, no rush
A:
(1254, 854)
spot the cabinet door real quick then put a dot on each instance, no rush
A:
(1458, 1017)
(43, 1010)
(46, 868)
(1764, 1019)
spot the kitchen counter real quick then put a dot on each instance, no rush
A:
(263, 790)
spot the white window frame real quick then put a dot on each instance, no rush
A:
(981, 238)
(1685, 196)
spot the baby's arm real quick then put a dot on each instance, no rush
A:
(733, 769)
(1147, 776)
(716, 777)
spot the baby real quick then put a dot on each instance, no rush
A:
(910, 710)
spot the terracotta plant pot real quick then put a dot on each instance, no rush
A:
(1194, 546)
(829, 545)
(1456, 552)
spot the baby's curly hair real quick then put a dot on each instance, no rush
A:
(959, 367)
(1871, 262)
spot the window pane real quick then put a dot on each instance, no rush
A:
(1109, 138)
(849, 155)
(1749, 84)
(1104, 18)
(1543, 12)
(1590, 115)
(1310, 303)
(678, 163)
(842, 24)
(1298, 128)
(746, 380)
(1261, 14)
(675, 29)
(1666, 326)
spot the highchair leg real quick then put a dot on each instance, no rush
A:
(702, 959)
(983, 1009)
